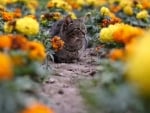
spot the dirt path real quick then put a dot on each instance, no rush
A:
(62, 87)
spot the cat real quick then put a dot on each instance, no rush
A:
(73, 33)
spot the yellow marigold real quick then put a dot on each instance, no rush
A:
(37, 108)
(2, 8)
(128, 10)
(5, 42)
(80, 2)
(138, 63)
(57, 16)
(72, 15)
(117, 54)
(25, 1)
(57, 43)
(32, 9)
(142, 15)
(104, 11)
(8, 27)
(31, 16)
(3, 2)
(139, 5)
(36, 51)
(33, 3)
(59, 4)
(124, 3)
(7, 16)
(27, 26)
(122, 34)
(6, 68)
(113, 1)
(90, 2)
(95, 3)
(106, 34)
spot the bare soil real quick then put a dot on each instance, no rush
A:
(62, 86)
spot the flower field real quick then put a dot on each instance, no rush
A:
(117, 35)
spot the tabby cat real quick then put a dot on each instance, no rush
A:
(73, 33)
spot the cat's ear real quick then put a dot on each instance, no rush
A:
(84, 19)
(68, 20)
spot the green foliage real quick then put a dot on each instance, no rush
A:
(14, 94)
(132, 20)
(93, 25)
(109, 93)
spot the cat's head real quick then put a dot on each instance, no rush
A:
(73, 32)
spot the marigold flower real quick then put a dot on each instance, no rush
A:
(8, 27)
(27, 26)
(57, 43)
(3, 2)
(18, 60)
(50, 5)
(122, 35)
(6, 68)
(95, 3)
(75, 4)
(17, 13)
(59, 4)
(115, 9)
(142, 15)
(128, 10)
(31, 16)
(106, 34)
(2, 8)
(36, 51)
(140, 6)
(72, 15)
(124, 3)
(104, 11)
(145, 4)
(5, 42)
(138, 63)
(56, 16)
(129, 47)
(19, 42)
(117, 54)
(37, 108)
(7, 16)
(113, 20)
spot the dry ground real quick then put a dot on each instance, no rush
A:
(62, 86)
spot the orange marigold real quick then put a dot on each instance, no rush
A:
(37, 108)
(130, 47)
(17, 13)
(74, 4)
(117, 54)
(5, 42)
(145, 4)
(126, 33)
(6, 68)
(7, 16)
(115, 9)
(19, 42)
(57, 43)
(50, 5)
(36, 51)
